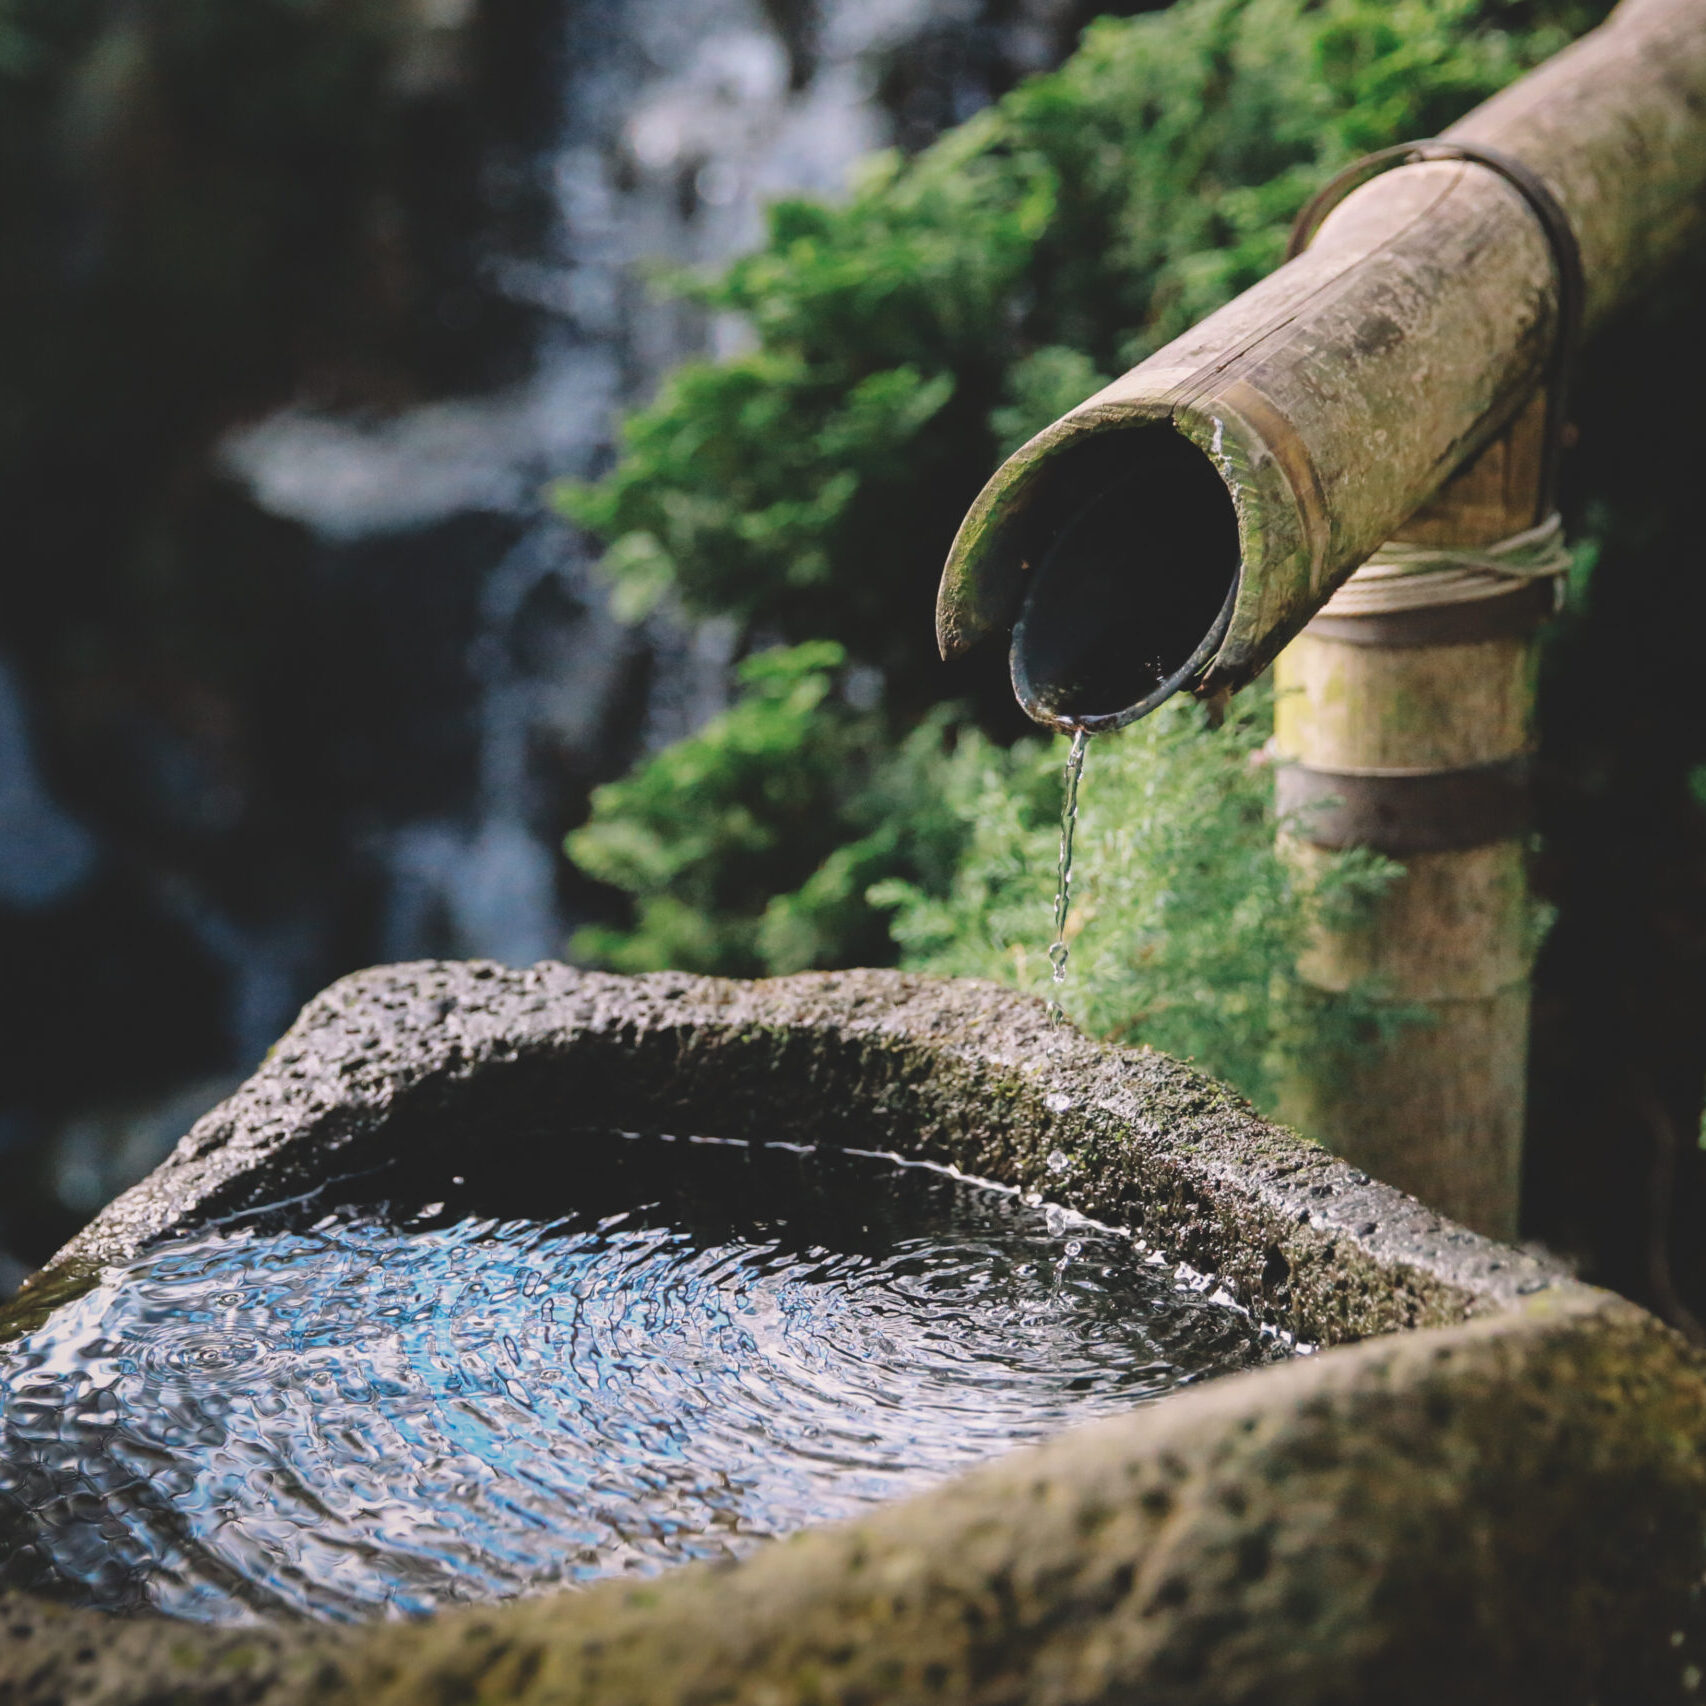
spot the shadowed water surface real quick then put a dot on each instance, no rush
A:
(406, 1403)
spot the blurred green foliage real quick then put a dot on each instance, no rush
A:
(1185, 928)
(903, 342)
(959, 300)
(712, 834)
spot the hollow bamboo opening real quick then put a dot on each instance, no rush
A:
(1129, 556)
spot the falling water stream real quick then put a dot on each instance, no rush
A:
(395, 1405)
(1059, 951)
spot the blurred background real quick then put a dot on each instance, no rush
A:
(304, 305)
(301, 304)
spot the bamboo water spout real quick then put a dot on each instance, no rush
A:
(1397, 381)
(1178, 528)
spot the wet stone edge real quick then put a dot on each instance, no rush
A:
(953, 1071)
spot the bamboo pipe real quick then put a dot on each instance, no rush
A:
(1433, 1104)
(1178, 528)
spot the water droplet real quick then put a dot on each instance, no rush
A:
(1059, 951)
(1057, 1102)
(1058, 1161)
(203, 1355)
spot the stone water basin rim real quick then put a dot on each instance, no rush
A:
(1401, 1516)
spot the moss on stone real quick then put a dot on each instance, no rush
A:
(1505, 1506)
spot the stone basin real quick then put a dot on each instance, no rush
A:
(1489, 1484)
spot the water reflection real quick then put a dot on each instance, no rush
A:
(392, 1408)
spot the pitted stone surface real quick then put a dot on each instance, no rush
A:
(1508, 1505)
(957, 1071)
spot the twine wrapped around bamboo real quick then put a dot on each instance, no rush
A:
(1406, 576)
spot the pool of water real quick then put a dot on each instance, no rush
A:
(407, 1402)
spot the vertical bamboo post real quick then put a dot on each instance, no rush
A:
(1410, 733)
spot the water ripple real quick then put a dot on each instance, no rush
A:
(386, 1411)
